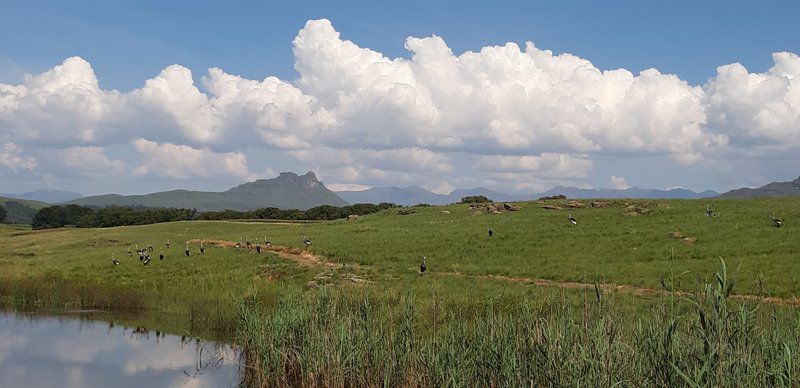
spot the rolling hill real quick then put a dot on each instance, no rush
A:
(774, 189)
(21, 211)
(49, 196)
(287, 191)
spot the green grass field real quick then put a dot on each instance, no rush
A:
(233, 293)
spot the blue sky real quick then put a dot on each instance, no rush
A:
(127, 43)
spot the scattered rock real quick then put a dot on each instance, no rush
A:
(445, 211)
(493, 208)
(552, 207)
(352, 217)
(599, 204)
(560, 196)
(575, 205)
(675, 234)
(689, 240)
(405, 211)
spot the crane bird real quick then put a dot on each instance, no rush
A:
(266, 242)
(491, 232)
(710, 212)
(258, 248)
(160, 256)
(150, 248)
(130, 254)
(572, 220)
(423, 266)
(306, 241)
(777, 221)
(202, 249)
(167, 243)
(114, 260)
(247, 243)
(147, 260)
(187, 250)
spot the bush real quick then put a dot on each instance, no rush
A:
(3, 213)
(475, 199)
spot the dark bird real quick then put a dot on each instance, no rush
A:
(187, 250)
(491, 232)
(258, 248)
(238, 245)
(572, 220)
(114, 260)
(130, 254)
(710, 212)
(423, 266)
(777, 221)
(266, 242)
(247, 243)
(202, 249)
(306, 241)
(161, 256)
(147, 260)
(167, 243)
(150, 248)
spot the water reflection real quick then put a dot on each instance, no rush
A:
(46, 351)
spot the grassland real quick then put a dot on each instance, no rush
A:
(476, 317)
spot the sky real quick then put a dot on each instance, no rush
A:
(136, 97)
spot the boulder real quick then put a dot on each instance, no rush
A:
(552, 207)
(575, 205)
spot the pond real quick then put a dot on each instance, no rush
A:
(71, 351)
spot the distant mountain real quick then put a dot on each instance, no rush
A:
(21, 211)
(50, 196)
(287, 191)
(413, 195)
(774, 189)
(632, 192)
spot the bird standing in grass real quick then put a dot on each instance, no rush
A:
(114, 260)
(187, 250)
(572, 220)
(266, 242)
(167, 243)
(710, 212)
(258, 248)
(130, 254)
(776, 222)
(202, 249)
(306, 241)
(491, 232)
(423, 266)
(161, 256)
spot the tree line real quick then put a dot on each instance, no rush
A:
(86, 217)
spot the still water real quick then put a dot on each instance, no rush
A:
(49, 351)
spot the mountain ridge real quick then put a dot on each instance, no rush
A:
(411, 195)
(772, 189)
(286, 191)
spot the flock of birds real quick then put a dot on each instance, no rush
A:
(145, 257)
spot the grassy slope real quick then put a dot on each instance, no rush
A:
(607, 245)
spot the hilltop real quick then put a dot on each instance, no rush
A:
(21, 211)
(286, 191)
(774, 189)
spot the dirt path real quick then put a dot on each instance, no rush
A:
(642, 291)
(307, 259)
(297, 255)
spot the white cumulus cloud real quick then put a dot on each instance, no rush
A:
(184, 162)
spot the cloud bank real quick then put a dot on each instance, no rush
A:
(514, 116)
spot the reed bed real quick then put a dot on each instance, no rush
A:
(332, 339)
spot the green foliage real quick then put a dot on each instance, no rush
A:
(58, 216)
(3, 213)
(319, 213)
(475, 199)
